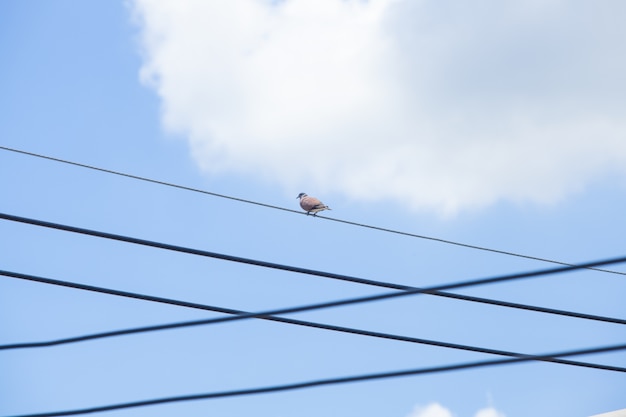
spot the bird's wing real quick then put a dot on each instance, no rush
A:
(310, 203)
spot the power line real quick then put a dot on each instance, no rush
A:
(192, 251)
(349, 379)
(242, 200)
(265, 316)
(178, 325)
(370, 376)
(145, 179)
(436, 290)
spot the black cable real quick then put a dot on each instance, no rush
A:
(348, 379)
(264, 315)
(242, 200)
(437, 290)
(365, 377)
(191, 251)
(137, 177)
(239, 316)
(191, 323)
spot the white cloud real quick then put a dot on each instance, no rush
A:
(489, 412)
(431, 410)
(438, 104)
(437, 410)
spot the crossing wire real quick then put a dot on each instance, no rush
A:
(264, 315)
(347, 379)
(437, 290)
(553, 357)
(247, 201)
(238, 316)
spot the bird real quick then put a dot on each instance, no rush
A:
(311, 204)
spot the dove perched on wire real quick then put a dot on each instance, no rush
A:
(311, 204)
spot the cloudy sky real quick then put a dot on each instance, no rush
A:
(433, 104)
(493, 124)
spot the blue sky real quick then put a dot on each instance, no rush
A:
(494, 125)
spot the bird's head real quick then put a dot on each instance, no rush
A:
(301, 195)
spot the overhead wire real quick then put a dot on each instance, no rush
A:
(436, 290)
(266, 316)
(327, 327)
(248, 201)
(552, 357)
(238, 316)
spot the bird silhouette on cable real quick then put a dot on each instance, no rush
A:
(311, 204)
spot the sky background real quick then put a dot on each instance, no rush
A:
(493, 124)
